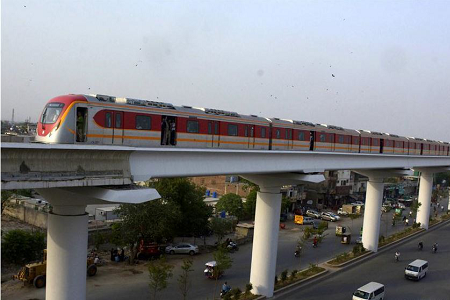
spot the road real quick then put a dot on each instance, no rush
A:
(126, 284)
(435, 286)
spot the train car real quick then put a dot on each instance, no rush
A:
(107, 120)
(303, 135)
(281, 134)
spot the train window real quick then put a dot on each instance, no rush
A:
(232, 129)
(374, 142)
(143, 122)
(288, 134)
(322, 137)
(301, 136)
(245, 130)
(51, 112)
(209, 128)
(216, 128)
(192, 126)
(263, 132)
(252, 131)
(108, 120)
(118, 120)
(278, 133)
(341, 139)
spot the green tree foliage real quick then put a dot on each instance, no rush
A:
(232, 204)
(159, 272)
(6, 195)
(188, 197)
(223, 263)
(220, 227)
(250, 205)
(285, 204)
(153, 221)
(19, 246)
(184, 281)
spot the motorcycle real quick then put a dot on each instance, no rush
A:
(420, 246)
(298, 251)
(434, 248)
(223, 293)
(232, 246)
(397, 256)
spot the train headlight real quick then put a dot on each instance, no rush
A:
(54, 129)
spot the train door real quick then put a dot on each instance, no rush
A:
(117, 137)
(81, 125)
(381, 145)
(252, 136)
(421, 148)
(312, 138)
(289, 138)
(214, 136)
(168, 130)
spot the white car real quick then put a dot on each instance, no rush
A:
(360, 203)
(342, 212)
(183, 248)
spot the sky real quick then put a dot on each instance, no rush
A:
(375, 65)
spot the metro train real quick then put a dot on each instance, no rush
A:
(108, 120)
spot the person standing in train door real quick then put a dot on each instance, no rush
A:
(172, 133)
(80, 127)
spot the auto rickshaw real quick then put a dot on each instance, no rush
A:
(211, 270)
(340, 230)
(346, 238)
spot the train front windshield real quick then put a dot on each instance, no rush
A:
(51, 113)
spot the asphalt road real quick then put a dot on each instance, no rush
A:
(384, 269)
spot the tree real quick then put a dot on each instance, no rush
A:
(153, 221)
(223, 262)
(6, 195)
(188, 197)
(184, 281)
(19, 246)
(250, 204)
(232, 204)
(220, 227)
(159, 272)
(285, 204)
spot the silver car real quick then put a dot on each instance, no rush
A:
(183, 248)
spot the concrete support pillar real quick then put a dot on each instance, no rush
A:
(425, 187)
(372, 214)
(265, 241)
(66, 253)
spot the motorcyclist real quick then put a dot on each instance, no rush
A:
(407, 222)
(225, 288)
(315, 241)
(420, 245)
(435, 247)
(397, 256)
(297, 251)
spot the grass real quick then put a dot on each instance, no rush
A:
(297, 276)
(346, 256)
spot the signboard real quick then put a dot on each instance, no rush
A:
(298, 220)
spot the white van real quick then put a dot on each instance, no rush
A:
(372, 291)
(417, 269)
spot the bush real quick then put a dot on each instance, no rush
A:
(293, 274)
(358, 249)
(284, 275)
(236, 293)
(322, 227)
(19, 246)
(248, 288)
(307, 233)
(381, 239)
(416, 225)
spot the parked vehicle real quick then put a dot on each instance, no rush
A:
(359, 203)
(182, 249)
(302, 220)
(313, 214)
(342, 212)
(148, 250)
(35, 273)
(328, 216)
(372, 291)
(417, 269)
